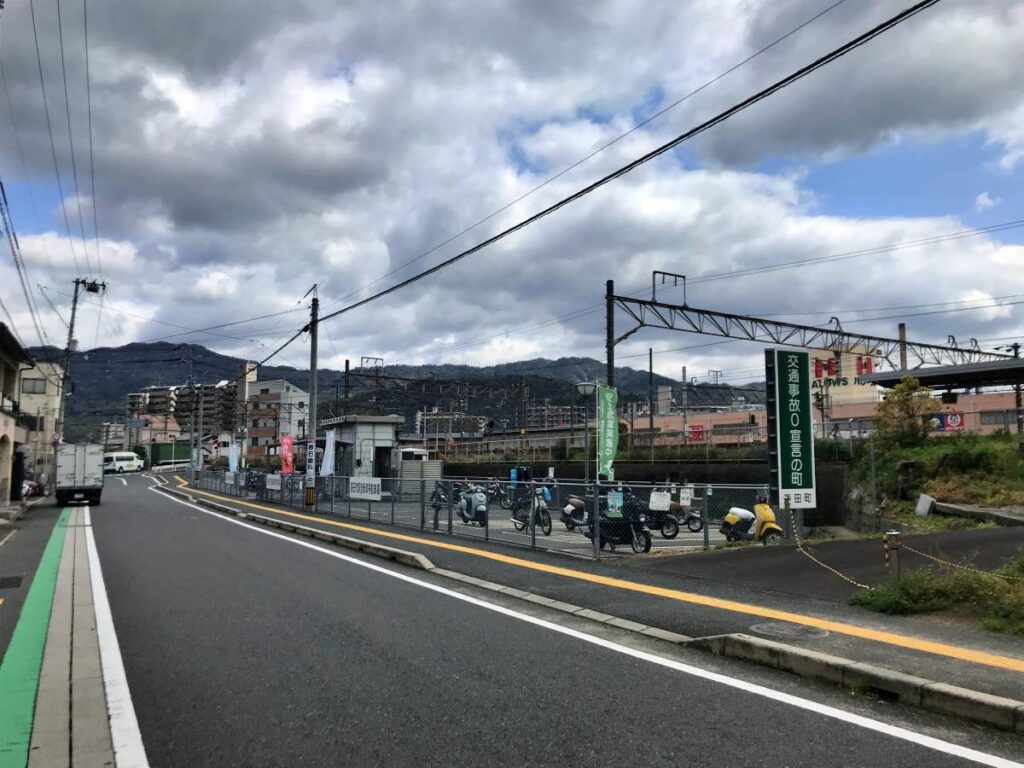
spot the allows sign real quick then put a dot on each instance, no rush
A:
(794, 429)
(607, 429)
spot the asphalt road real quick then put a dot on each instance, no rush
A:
(243, 648)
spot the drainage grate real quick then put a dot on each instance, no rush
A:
(10, 582)
(787, 631)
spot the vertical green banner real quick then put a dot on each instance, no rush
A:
(607, 428)
(795, 430)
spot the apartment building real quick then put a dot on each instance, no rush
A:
(39, 405)
(275, 408)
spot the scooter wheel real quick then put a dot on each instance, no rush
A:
(694, 524)
(771, 539)
(545, 522)
(641, 543)
(670, 527)
(569, 526)
(518, 524)
(505, 502)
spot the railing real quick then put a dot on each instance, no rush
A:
(545, 514)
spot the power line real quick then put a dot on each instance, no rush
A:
(92, 164)
(53, 144)
(697, 130)
(71, 135)
(599, 150)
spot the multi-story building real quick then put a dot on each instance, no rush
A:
(547, 415)
(13, 435)
(39, 404)
(275, 408)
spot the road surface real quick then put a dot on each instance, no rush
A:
(245, 647)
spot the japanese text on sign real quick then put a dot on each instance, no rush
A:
(794, 430)
(366, 488)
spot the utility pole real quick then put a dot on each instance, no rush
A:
(199, 431)
(650, 398)
(348, 382)
(90, 286)
(609, 302)
(314, 320)
(686, 400)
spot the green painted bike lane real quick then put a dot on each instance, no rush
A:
(19, 672)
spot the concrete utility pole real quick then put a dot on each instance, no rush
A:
(314, 320)
(199, 431)
(90, 286)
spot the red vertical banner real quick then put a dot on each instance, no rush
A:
(287, 460)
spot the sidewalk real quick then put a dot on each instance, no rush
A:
(53, 711)
(697, 604)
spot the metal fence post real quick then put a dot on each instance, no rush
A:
(705, 513)
(423, 499)
(332, 495)
(596, 519)
(533, 514)
(291, 490)
(393, 501)
(450, 500)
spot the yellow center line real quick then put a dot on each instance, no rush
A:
(852, 630)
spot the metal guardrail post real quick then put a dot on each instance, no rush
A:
(596, 519)
(392, 502)
(291, 490)
(450, 512)
(423, 499)
(332, 494)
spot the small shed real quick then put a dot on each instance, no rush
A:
(364, 444)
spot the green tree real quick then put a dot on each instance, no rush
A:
(902, 417)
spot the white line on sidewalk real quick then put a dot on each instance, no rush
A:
(124, 727)
(123, 482)
(732, 682)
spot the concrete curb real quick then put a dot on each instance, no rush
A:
(983, 708)
(974, 706)
(413, 559)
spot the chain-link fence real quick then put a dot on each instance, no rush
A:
(546, 514)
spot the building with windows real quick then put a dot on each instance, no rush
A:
(13, 433)
(275, 408)
(39, 404)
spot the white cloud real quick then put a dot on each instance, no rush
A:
(985, 201)
(242, 157)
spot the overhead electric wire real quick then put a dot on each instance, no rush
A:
(53, 144)
(92, 163)
(71, 135)
(697, 130)
(600, 149)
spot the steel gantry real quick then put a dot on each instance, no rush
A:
(650, 313)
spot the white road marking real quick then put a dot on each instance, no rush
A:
(732, 682)
(124, 726)
(123, 482)
(8, 537)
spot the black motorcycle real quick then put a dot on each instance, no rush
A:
(498, 492)
(628, 526)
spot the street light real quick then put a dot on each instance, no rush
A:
(586, 390)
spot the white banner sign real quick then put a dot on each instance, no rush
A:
(686, 495)
(273, 483)
(660, 501)
(367, 488)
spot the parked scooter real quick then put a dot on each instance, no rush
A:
(741, 525)
(665, 519)
(472, 505)
(533, 505)
(576, 512)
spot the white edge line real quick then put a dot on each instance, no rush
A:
(748, 687)
(124, 727)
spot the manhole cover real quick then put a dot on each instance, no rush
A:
(10, 582)
(787, 631)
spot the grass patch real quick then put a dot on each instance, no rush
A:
(987, 470)
(997, 603)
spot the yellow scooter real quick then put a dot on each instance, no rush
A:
(739, 525)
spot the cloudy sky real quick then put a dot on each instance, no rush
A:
(246, 150)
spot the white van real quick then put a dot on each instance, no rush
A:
(122, 462)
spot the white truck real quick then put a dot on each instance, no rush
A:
(79, 473)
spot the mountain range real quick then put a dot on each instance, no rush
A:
(102, 377)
